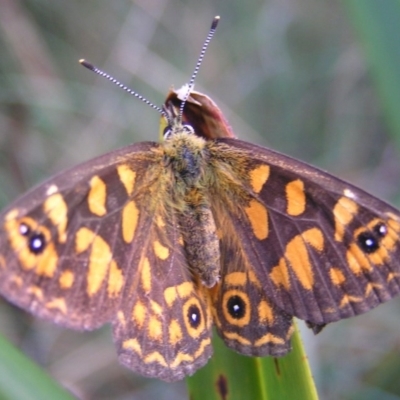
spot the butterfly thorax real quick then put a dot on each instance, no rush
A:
(186, 155)
(186, 161)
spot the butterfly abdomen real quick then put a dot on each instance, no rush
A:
(186, 157)
(200, 239)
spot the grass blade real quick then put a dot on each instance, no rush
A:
(232, 376)
(21, 378)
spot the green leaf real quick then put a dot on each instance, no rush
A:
(21, 378)
(230, 375)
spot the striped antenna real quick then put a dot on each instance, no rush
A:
(199, 61)
(98, 71)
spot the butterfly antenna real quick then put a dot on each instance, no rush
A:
(199, 61)
(98, 71)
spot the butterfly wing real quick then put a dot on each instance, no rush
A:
(246, 317)
(61, 255)
(321, 249)
(100, 243)
(163, 328)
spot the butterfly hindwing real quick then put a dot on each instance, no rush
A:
(245, 317)
(163, 327)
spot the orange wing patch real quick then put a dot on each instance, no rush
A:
(295, 198)
(258, 217)
(127, 176)
(343, 211)
(130, 217)
(56, 209)
(101, 263)
(258, 177)
(66, 279)
(296, 256)
(97, 196)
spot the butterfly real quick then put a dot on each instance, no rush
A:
(166, 240)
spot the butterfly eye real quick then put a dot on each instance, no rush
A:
(236, 307)
(167, 132)
(194, 316)
(187, 128)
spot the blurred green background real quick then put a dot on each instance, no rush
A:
(314, 79)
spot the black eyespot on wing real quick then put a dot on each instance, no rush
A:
(35, 240)
(194, 316)
(368, 242)
(37, 243)
(236, 307)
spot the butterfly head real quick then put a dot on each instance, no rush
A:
(172, 123)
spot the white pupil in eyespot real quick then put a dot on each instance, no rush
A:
(23, 229)
(37, 243)
(369, 242)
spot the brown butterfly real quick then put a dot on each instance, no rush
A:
(165, 240)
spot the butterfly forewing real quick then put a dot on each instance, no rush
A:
(63, 252)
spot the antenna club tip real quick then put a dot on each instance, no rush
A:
(215, 21)
(86, 64)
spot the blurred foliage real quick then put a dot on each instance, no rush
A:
(288, 74)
